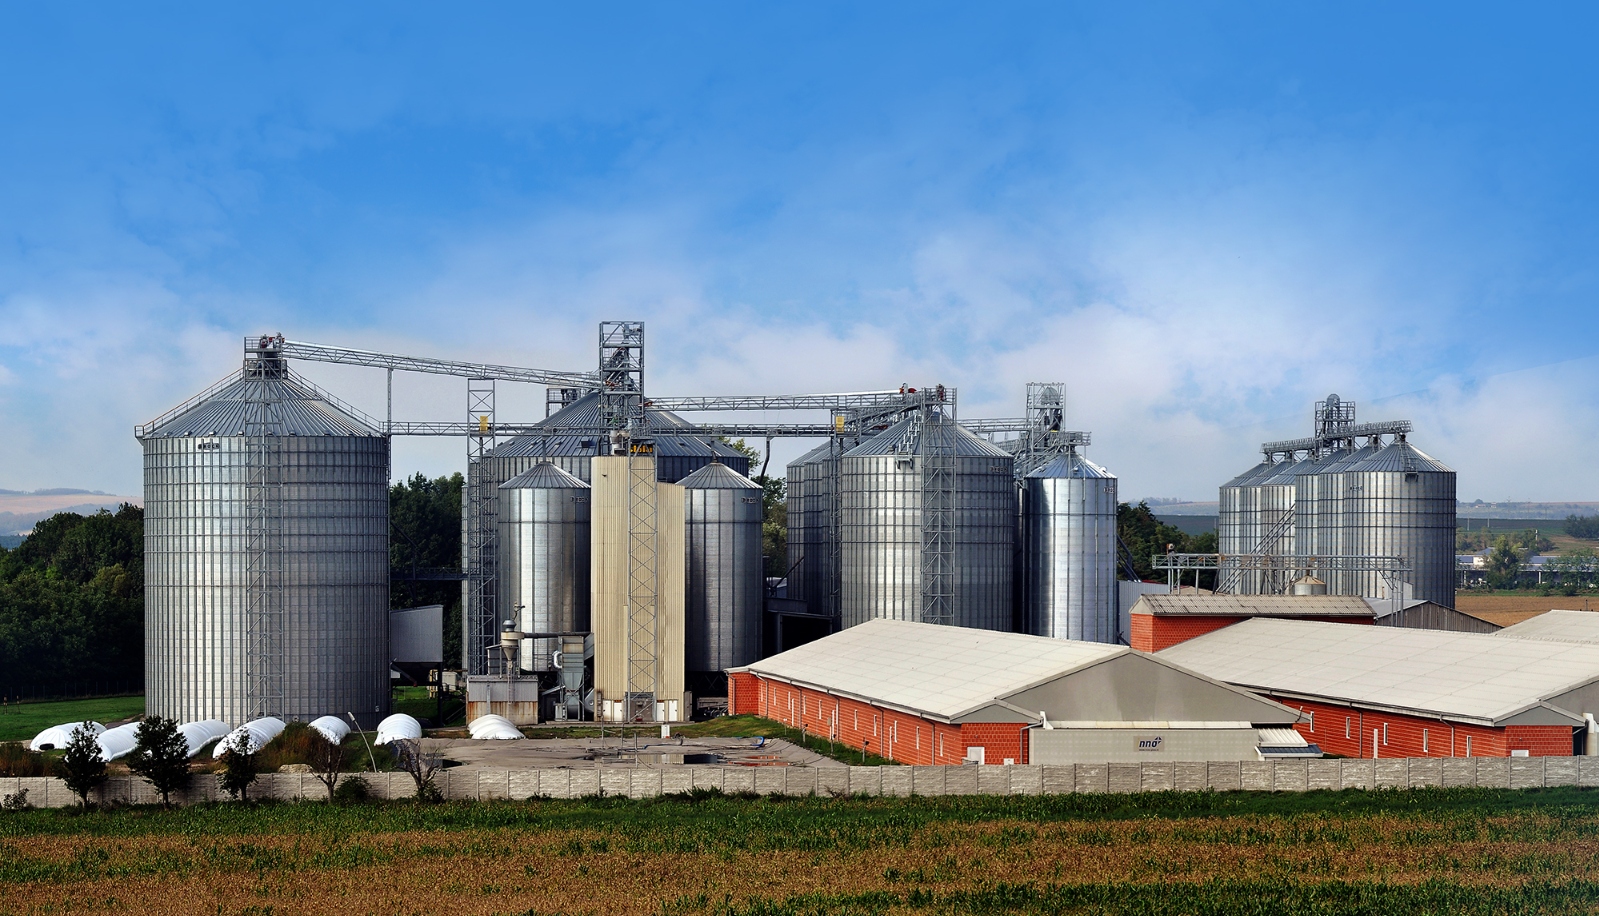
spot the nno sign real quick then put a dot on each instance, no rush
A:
(1150, 744)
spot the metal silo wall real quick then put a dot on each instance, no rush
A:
(543, 550)
(1235, 508)
(1330, 538)
(725, 582)
(1393, 511)
(335, 598)
(1069, 558)
(799, 529)
(1274, 495)
(495, 469)
(810, 561)
(985, 543)
(881, 540)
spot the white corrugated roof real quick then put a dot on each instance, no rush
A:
(1478, 676)
(1559, 626)
(1252, 605)
(938, 670)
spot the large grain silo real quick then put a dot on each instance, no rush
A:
(722, 519)
(1400, 502)
(543, 558)
(266, 554)
(1328, 489)
(573, 437)
(1069, 549)
(811, 480)
(929, 522)
(1235, 516)
(1360, 498)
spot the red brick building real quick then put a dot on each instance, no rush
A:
(1395, 692)
(923, 694)
(1161, 621)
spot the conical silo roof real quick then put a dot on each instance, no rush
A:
(1254, 475)
(544, 476)
(1402, 456)
(1282, 474)
(966, 443)
(819, 453)
(299, 409)
(581, 426)
(717, 476)
(1072, 465)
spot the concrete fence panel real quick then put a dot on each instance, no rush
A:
(1027, 780)
(1264, 775)
(927, 780)
(896, 780)
(964, 780)
(1093, 777)
(989, 780)
(1059, 780)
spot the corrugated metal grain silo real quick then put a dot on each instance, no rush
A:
(1329, 489)
(577, 434)
(886, 544)
(266, 554)
(543, 557)
(1069, 551)
(1235, 511)
(810, 534)
(726, 583)
(1275, 500)
(1400, 502)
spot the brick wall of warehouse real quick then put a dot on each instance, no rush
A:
(890, 733)
(1154, 632)
(1351, 732)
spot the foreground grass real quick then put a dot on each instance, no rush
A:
(1434, 851)
(21, 721)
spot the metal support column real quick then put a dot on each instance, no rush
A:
(937, 461)
(482, 623)
(264, 604)
(643, 611)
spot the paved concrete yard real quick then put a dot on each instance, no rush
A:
(652, 753)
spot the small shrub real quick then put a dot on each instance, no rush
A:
(161, 756)
(16, 801)
(17, 760)
(239, 770)
(82, 768)
(352, 790)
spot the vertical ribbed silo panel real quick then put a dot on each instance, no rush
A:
(798, 530)
(1070, 554)
(544, 557)
(725, 597)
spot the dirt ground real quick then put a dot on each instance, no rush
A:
(1507, 610)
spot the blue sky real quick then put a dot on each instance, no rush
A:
(1200, 220)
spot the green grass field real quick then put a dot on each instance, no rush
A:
(1347, 853)
(414, 701)
(20, 722)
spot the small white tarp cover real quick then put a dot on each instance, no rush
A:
(203, 732)
(398, 727)
(331, 728)
(118, 742)
(250, 737)
(493, 728)
(57, 736)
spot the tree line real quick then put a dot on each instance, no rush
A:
(72, 602)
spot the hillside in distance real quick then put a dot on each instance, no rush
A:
(20, 511)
